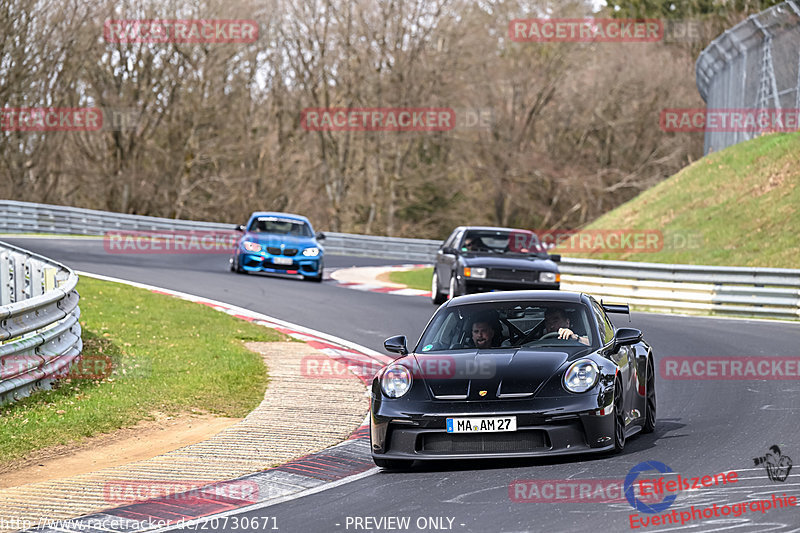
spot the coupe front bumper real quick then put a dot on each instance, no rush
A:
(257, 262)
(545, 426)
(474, 285)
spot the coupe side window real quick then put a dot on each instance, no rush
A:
(604, 324)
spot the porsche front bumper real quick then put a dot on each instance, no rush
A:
(545, 426)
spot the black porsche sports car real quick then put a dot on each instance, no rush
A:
(481, 259)
(513, 374)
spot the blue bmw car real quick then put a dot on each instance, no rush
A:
(281, 243)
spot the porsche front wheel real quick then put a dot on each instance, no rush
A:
(619, 419)
(650, 400)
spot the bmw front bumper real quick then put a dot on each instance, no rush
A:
(264, 262)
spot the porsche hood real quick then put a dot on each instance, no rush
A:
(493, 374)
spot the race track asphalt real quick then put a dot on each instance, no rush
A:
(704, 426)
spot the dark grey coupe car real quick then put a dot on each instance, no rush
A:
(481, 259)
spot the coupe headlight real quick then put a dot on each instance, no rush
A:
(252, 246)
(311, 252)
(474, 272)
(581, 376)
(549, 277)
(396, 381)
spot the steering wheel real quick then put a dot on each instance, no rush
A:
(513, 331)
(551, 335)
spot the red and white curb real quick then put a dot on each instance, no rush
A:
(343, 463)
(338, 349)
(366, 279)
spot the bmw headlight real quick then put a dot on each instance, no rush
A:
(549, 277)
(311, 252)
(251, 246)
(474, 272)
(581, 376)
(396, 381)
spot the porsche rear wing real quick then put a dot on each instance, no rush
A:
(616, 308)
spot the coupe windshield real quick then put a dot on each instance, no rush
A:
(518, 324)
(502, 242)
(280, 226)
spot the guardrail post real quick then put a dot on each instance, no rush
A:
(5, 278)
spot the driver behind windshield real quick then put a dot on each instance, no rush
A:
(474, 243)
(556, 321)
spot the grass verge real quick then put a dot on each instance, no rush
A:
(168, 356)
(415, 279)
(735, 207)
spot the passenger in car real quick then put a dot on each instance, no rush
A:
(485, 331)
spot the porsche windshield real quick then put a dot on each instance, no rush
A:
(516, 324)
(280, 226)
(501, 242)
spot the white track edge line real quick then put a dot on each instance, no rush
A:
(241, 310)
(275, 501)
(332, 338)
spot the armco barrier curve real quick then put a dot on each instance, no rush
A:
(40, 332)
(727, 291)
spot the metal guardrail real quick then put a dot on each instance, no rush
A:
(719, 290)
(732, 291)
(416, 250)
(40, 332)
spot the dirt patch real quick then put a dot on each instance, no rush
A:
(144, 440)
(385, 277)
(776, 179)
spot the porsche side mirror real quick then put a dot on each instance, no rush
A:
(627, 336)
(240, 227)
(320, 236)
(555, 258)
(396, 344)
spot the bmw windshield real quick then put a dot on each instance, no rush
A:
(280, 226)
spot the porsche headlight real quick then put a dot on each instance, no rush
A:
(251, 246)
(581, 376)
(549, 277)
(396, 381)
(311, 252)
(474, 272)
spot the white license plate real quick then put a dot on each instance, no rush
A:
(482, 425)
(282, 260)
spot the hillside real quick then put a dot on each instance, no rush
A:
(738, 207)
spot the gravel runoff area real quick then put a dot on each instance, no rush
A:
(299, 415)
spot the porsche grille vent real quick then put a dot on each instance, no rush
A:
(521, 441)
